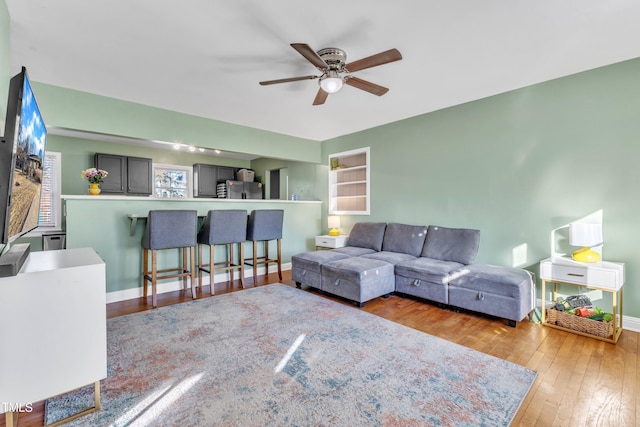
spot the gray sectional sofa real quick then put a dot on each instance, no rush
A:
(433, 263)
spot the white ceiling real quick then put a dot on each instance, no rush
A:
(206, 57)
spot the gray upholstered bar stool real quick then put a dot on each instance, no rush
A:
(223, 227)
(169, 229)
(265, 225)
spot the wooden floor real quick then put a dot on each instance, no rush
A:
(581, 381)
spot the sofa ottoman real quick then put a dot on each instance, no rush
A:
(503, 292)
(308, 266)
(358, 279)
(365, 238)
(426, 278)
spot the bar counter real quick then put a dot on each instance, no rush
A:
(106, 223)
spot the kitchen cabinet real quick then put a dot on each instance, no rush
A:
(139, 175)
(127, 175)
(116, 166)
(206, 178)
(225, 173)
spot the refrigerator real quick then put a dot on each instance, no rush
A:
(243, 190)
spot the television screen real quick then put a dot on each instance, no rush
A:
(25, 136)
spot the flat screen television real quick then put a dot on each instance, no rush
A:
(22, 150)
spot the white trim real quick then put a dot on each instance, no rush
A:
(187, 169)
(176, 285)
(630, 323)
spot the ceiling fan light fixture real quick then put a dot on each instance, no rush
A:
(331, 82)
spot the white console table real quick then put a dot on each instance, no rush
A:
(52, 328)
(604, 276)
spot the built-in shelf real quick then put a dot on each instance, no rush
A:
(349, 182)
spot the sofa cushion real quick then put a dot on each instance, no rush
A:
(451, 244)
(390, 257)
(367, 235)
(505, 281)
(353, 251)
(408, 239)
(312, 261)
(428, 269)
(499, 291)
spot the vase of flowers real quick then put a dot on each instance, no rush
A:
(95, 177)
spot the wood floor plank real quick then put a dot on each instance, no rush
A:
(581, 381)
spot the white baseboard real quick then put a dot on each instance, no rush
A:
(628, 323)
(631, 323)
(176, 285)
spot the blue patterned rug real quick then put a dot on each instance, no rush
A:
(275, 355)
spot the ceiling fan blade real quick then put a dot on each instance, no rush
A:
(290, 79)
(310, 54)
(321, 97)
(385, 57)
(366, 86)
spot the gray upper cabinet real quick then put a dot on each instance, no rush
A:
(206, 178)
(139, 176)
(116, 166)
(225, 172)
(127, 175)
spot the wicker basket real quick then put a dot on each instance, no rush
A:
(581, 324)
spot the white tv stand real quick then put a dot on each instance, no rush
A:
(52, 328)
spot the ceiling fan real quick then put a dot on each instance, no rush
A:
(336, 72)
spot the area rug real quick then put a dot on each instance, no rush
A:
(279, 356)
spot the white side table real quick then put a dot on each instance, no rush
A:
(56, 305)
(331, 242)
(604, 276)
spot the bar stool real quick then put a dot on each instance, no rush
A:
(169, 229)
(265, 225)
(223, 227)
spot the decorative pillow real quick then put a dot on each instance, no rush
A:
(407, 239)
(367, 235)
(451, 244)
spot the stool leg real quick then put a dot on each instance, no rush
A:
(211, 269)
(200, 265)
(184, 268)
(255, 263)
(230, 258)
(192, 258)
(266, 257)
(145, 271)
(241, 249)
(280, 259)
(154, 278)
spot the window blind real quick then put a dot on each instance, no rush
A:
(50, 205)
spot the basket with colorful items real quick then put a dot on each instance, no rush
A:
(577, 313)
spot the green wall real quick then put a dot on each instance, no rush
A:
(303, 177)
(517, 166)
(65, 108)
